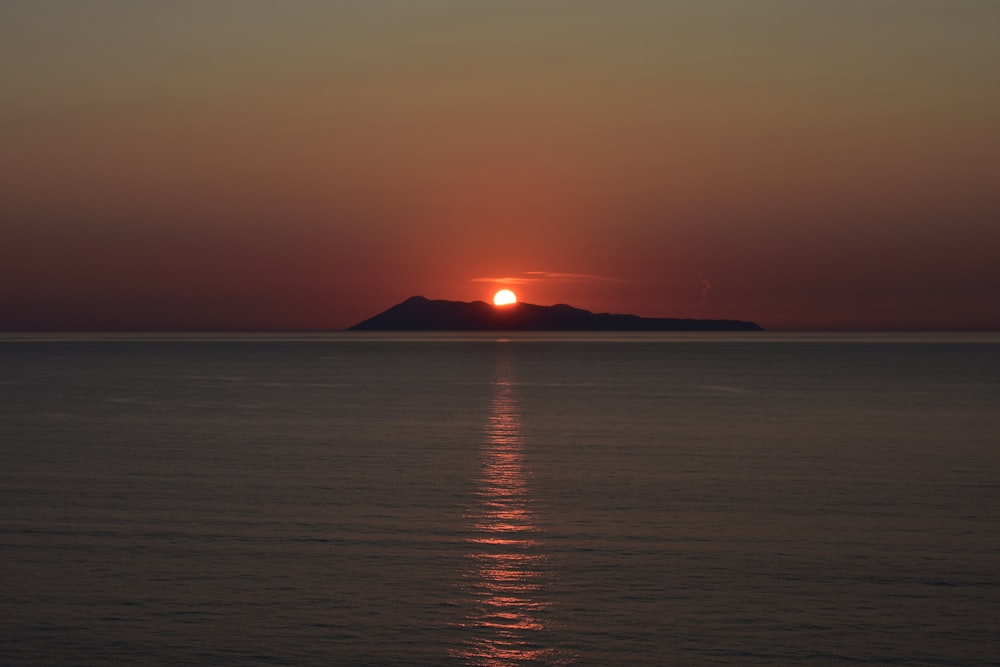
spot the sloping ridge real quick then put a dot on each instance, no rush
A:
(421, 314)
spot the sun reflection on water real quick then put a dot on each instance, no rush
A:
(507, 575)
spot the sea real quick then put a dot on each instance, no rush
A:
(500, 499)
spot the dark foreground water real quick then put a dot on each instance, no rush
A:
(468, 500)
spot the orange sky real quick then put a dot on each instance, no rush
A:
(304, 165)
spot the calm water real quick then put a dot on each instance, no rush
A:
(468, 500)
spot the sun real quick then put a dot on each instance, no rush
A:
(504, 298)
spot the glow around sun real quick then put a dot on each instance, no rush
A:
(504, 298)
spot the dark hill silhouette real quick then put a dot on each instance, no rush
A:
(421, 314)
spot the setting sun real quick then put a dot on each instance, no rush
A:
(504, 298)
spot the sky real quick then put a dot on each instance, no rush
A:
(258, 165)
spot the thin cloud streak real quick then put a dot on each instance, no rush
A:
(538, 276)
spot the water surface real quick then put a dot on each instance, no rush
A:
(500, 500)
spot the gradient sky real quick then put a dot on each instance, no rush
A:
(248, 164)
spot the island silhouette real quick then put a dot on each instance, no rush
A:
(422, 314)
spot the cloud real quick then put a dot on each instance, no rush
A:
(526, 277)
(705, 287)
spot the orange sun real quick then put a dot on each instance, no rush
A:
(504, 298)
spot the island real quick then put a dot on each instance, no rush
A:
(421, 314)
